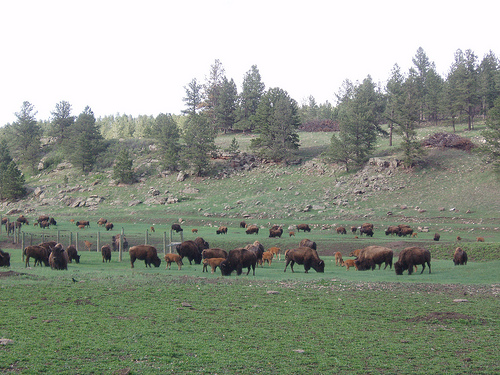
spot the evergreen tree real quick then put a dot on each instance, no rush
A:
(11, 178)
(84, 142)
(422, 68)
(25, 137)
(122, 170)
(61, 121)
(167, 136)
(434, 93)
(225, 110)
(489, 77)
(212, 92)
(277, 122)
(491, 149)
(252, 91)
(193, 98)
(394, 89)
(200, 143)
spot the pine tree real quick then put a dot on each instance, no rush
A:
(252, 91)
(193, 98)
(62, 120)
(491, 148)
(11, 179)
(25, 136)
(200, 143)
(167, 136)
(122, 170)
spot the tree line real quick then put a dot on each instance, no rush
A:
(470, 89)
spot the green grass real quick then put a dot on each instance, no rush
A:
(154, 321)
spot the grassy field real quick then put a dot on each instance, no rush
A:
(114, 319)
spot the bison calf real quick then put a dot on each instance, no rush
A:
(338, 259)
(349, 263)
(173, 258)
(213, 263)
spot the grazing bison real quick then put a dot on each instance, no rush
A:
(106, 253)
(411, 257)
(52, 221)
(4, 259)
(349, 263)
(366, 230)
(146, 253)
(392, 229)
(370, 256)
(214, 253)
(341, 230)
(275, 232)
(72, 254)
(436, 236)
(338, 259)
(38, 253)
(460, 257)
(243, 224)
(221, 230)
(109, 226)
(177, 228)
(213, 263)
(304, 227)
(173, 258)
(190, 250)
(44, 224)
(43, 218)
(49, 245)
(101, 221)
(307, 243)
(306, 256)
(252, 229)
(480, 239)
(238, 259)
(58, 258)
(291, 233)
(85, 223)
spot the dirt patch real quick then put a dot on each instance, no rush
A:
(10, 273)
(441, 317)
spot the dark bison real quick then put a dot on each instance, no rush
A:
(177, 228)
(43, 218)
(221, 230)
(460, 257)
(306, 256)
(44, 224)
(109, 226)
(202, 244)
(238, 259)
(252, 229)
(276, 232)
(21, 219)
(49, 245)
(437, 236)
(102, 221)
(146, 253)
(307, 243)
(405, 231)
(52, 221)
(213, 253)
(341, 230)
(190, 250)
(243, 224)
(58, 258)
(4, 259)
(392, 229)
(303, 227)
(85, 223)
(257, 248)
(410, 257)
(370, 256)
(72, 254)
(106, 253)
(115, 243)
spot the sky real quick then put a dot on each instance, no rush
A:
(136, 57)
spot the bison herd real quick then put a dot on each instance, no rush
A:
(236, 260)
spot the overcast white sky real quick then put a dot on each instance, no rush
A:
(135, 57)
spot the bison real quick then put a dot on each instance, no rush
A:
(338, 259)
(307, 243)
(221, 230)
(171, 258)
(58, 258)
(177, 228)
(341, 230)
(202, 244)
(21, 219)
(349, 263)
(190, 250)
(49, 245)
(370, 256)
(101, 221)
(257, 248)
(276, 251)
(275, 232)
(355, 253)
(460, 257)
(405, 231)
(354, 229)
(213, 263)
(238, 259)
(39, 253)
(144, 252)
(267, 256)
(115, 243)
(303, 227)
(85, 223)
(366, 230)
(252, 229)
(306, 256)
(480, 239)
(392, 229)
(4, 259)
(72, 254)
(411, 257)
(106, 253)
(214, 253)
(436, 236)
(243, 224)
(109, 226)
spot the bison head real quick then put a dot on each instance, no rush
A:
(398, 267)
(156, 262)
(225, 268)
(319, 267)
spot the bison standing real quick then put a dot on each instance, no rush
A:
(214, 253)
(58, 258)
(370, 256)
(146, 253)
(410, 257)
(304, 227)
(460, 257)
(238, 259)
(177, 228)
(307, 243)
(39, 253)
(190, 250)
(4, 259)
(306, 256)
(72, 254)
(252, 229)
(106, 253)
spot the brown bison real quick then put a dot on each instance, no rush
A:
(21, 219)
(213, 263)
(366, 228)
(275, 232)
(109, 226)
(38, 253)
(291, 233)
(354, 229)
(72, 254)
(190, 250)
(307, 243)
(49, 245)
(58, 258)
(411, 257)
(85, 223)
(177, 228)
(338, 259)
(370, 256)
(252, 229)
(214, 253)
(144, 252)
(43, 218)
(480, 239)
(306, 256)
(405, 231)
(436, 236)
(173, 258)
(355, 253)
(238, 259)
(341, 230)
(202, 244)
(106, 253)
(257, 248)
(276, 251)
(349, 263)
(221, 230)
(303, 227)
(267, 256)
(460, 257)
(392, 229)
(101, 221)
(243, 224)
(4, 259)
(44, 224)
(115, 243)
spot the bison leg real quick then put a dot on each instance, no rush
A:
(410, 268)
(132, 260)
(286, 264)
(429, 264)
